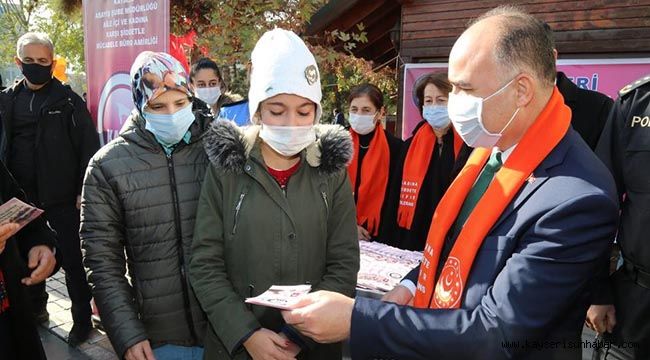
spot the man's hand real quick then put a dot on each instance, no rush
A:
(323, 316)
(265, 344)
(7, 231)
(400, 295)
(362, 233)
(601, 318)
(140, 351)
(78, 202)
(42, 261)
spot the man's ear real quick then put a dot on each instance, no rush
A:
(18, 63)
(525, 87)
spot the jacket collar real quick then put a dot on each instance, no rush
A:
(566, 87)
(56, 91)
(229, 147)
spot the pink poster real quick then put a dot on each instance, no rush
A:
(607, 76)
(116, 31)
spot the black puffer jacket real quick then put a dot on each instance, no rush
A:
(138, 199)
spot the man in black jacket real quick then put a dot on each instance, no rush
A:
(589, 109)
(25, 259)
(46, 140)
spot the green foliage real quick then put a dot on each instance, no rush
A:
(228, 32)
(65, 29)
(66, 32)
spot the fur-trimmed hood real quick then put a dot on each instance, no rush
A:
(229, 147)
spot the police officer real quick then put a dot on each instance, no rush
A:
(622, 306)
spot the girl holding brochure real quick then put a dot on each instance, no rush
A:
(276, 209)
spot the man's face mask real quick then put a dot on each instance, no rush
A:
(37, 74)
(465, 112)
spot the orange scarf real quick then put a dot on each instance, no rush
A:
(374, 179)
(415, 169)
(540, 139)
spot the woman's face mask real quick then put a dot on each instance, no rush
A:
(362, 124)
(436, 115)
(288, 140)
(208, 94)
(169, 128)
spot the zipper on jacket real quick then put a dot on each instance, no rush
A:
(327, 207)
(179, 246)
(31, 103)
(237, 208)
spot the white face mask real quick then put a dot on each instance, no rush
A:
(436, 115)
(208, 94)
(465, 112)
(169, 128)
(288, 140)
(362, 124)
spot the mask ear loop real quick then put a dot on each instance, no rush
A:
(509, 121)
(481, 110)
(500, 90)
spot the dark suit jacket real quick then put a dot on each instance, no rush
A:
(589, 109)
(529, 288)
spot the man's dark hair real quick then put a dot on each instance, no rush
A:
(525, 42)
(205, 63)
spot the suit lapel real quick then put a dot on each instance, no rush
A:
(538, 178)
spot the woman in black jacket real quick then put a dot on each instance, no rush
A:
(377, 154)
(431, 159)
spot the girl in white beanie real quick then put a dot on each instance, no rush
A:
(276, 209)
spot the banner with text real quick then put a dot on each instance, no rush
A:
(116, 31)
(607, 76)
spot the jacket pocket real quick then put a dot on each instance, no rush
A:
(637, 157)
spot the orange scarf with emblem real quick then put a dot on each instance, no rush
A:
(374, 179)
(415, 169)
(540, 139)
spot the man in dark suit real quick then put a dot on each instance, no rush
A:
(515, 241)
(589, 109)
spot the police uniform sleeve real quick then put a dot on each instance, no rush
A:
(610, 152)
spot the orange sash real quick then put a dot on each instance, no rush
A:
(374, 179)
(540, 139)
(415, 169)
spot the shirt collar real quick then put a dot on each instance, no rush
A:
(168, 149)
(506, 153)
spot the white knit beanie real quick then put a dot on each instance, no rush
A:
(282, 64)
